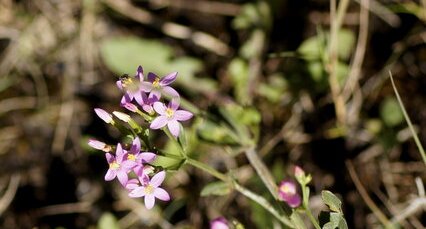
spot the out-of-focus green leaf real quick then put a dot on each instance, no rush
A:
(125, 54)
(390, 112)
(331, 201)
(168, 162)
(342, 72)
(218, 188)
(216, 133)
(253, 46)
(238, 70)
(336, 220)
(346, 43)
(108, 221)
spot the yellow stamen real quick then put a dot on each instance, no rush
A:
(169, 113)
(114, 165)
(149, 189)
(156, 83)
(289, 189)
(131, 157)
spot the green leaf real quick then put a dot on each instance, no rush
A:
(390, 112)
(108, 221)
(124, 54)
(218, 188)
(238, 70)
(170, 162)
(331, 201)
(216, 133)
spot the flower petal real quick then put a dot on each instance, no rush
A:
(139, 73)
(136, 146)
(174, 127)
(149, 201)
(167, 90)
(145, 86)
(294, 201)
(105, 116)
(159, 122)
(119, 152)
(110, 158)
(157, 179)
(122, 177)
(155, 95)
(132, 184)
(160, 108)
(147, 157)
(161, 194)
(151, 77)
(138, 192)
(174, 103)
(182, 115)
(110, 175)
(168, 79)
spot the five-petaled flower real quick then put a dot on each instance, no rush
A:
(150, 189)
(136, 159)
(156, 85)
(170, 116)
(132, 86)
(116, 169)
(288, 192)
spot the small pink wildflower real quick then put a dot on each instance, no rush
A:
(115, 166)
(99, 145)
(298, 172)
(170, 116)
(219, 223)
(156, 85)
(132, 86)
(288, 193)
(151, 190)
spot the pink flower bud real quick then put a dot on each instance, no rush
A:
(219, 223)
(104, 115)
(298, 172)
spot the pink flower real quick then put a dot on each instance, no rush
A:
(288, 193)
(151, 190)
(115, 166)
(298, 172)
(219, 223)
(99, 145)
(132, 86)
(156, 85)
(135, 159)
(169, 116)
(105, 116)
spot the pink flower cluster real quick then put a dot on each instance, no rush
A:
(146, 184)
(147, 95)
(132, 166)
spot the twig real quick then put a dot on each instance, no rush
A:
(10, 192)
(370, 203)
(382, 12)
(415, 205)
(355, 69)
(174, 30)
(208, 7)
(336, 19)
(69, 208)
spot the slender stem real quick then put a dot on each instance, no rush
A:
(311, 217)
(305, 203)
(262, 171)
(407, 118)
(244, 191)
(208, 169)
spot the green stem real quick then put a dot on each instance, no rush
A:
(306, 207)
(247, 193)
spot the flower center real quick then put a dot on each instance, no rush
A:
(131, 157)
(130, 84)
(169, 113)
(114, 165)
(288, 189)
(156, 83)
(149, 189)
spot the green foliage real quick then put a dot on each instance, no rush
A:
(334, 219)
(169, 162)
(218, 188)
(108, 221)
(239, 71)
(217, 133)
(390, 112)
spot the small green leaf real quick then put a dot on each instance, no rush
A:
(218, 188)
(168, 162)
(391, 112)
(216, 133)
(108, 221)
(331, 201)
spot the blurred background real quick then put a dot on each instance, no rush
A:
(314, 98)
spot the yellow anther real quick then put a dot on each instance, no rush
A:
(114, 165)
(131, 157)
(169, 113)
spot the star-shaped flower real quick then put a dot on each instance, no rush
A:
(150, 190)
(170, 116)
